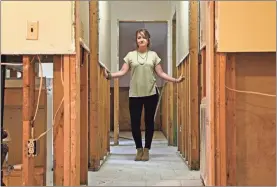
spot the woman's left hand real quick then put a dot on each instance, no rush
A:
(180, 79)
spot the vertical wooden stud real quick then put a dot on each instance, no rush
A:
(210, 91)
(222, 119)
(231, 121)
(28, 112)
(58, 130)
(116, 111)
(84, 121)
(194, 100)
(94, 156)
(67, 123)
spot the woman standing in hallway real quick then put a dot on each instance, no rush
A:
(143, 91)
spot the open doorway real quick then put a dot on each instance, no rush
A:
(127, 42)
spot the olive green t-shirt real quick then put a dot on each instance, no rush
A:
(142, 65)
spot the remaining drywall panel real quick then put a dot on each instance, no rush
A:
(246, 26)
(203, 10)
(104, 34)
(173, 5)
(55, 27)
(84, 17)
(182, 20)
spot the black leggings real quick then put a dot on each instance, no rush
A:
(135, 107)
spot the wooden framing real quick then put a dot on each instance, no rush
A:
(174, 99)
(116, 111)
(28, 163)
(183, 115)
(210, 92)
(70, 94)
(84, 124)
(67, 170)
(164, 111)
(67, 140)
(230, 119)
(187, 98)
(232, 113)
(67, 122)
(193, 159)
(58, 108)
(167, 111)
(12, 123)
(81, 124)
(220, 130)
(94, 156)
(99, 143)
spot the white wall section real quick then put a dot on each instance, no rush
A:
(55, 27)
(182, 24)
(105, 34)
(84, 17)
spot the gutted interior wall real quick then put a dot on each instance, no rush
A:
(13, 124)
(55, 33)
(250, 118)
(105, 34)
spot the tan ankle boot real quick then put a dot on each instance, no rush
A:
(139, 154)
(145, 156)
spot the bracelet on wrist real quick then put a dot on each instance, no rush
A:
(109, 76)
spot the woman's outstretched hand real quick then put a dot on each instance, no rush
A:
(106, 74)
(180, 79)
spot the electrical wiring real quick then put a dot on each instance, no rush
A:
(10, 64)
(250, 92)
(59, 107)
(39, 94)
(54, 118)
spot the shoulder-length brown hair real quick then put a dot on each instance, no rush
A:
(146, 34)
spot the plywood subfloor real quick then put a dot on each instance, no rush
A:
(165, 167)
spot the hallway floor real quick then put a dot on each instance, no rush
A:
(165, 167)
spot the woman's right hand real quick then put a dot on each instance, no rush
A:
(106, 73)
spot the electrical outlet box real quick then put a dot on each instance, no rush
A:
(32, 30)
(33, 147)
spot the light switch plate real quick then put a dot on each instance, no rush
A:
(32, 30)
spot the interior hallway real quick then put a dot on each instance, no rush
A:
(165, 167)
